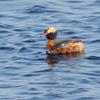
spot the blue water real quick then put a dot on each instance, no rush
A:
(26, 72)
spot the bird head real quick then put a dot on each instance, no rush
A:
(50, 33)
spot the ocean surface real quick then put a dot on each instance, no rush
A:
(27, 72)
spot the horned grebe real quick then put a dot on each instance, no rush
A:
(61, 47)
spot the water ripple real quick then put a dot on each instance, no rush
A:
(86, 98)
(95, 41)
(6, 26)
(39, 9)
(24, 50)
(6, 49)
(93, 58)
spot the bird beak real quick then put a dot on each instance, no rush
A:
(45, 33)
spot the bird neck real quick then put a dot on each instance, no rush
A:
(50, 45)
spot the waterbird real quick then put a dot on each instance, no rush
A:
(68, 46)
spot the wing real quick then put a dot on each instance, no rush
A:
(65, 42)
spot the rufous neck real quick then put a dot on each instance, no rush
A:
(50, 45)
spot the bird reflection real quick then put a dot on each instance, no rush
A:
(53, 58)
